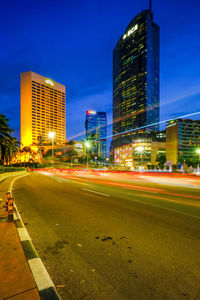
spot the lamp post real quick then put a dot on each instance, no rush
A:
(87, 145)
(140, 150)
(198, 152)
(51, 136)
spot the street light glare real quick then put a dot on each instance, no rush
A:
(140, 149)
(87, 144)
(198, 151)
(51, 134)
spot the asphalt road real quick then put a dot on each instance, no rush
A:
(109, 238)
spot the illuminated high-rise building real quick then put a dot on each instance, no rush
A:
(42, 109)
(136, 79)
(183, 141)
(96, 132)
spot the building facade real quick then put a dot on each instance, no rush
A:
(138, 154)
(42, 109)
(136, 79)
(96, 132)
(182, 140)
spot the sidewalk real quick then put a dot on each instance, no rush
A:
(16, 280)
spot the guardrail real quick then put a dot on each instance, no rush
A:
(5, 175)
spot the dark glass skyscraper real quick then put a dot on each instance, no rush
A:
(96, 132)
(136, 79)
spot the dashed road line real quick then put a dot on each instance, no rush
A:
(96, 192)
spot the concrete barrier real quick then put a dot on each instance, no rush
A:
(5, 175)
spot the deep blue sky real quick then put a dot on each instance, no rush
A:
(72, 42)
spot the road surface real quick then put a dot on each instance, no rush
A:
(114, 237)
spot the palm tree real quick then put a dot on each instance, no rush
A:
(11, 149)
(4, 134)
(4, 128)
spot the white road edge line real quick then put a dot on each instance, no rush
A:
(95, 192)
(40, 274)
(11, 185)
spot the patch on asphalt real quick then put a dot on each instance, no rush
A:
(106, 238)
(55, 249)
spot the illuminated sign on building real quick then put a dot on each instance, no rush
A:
(50, 82)
(91, 112)
(130, 31)
(78, 145)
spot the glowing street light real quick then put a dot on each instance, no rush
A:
(51, 136)
(140, 150)
(198, 152)
(87, 145)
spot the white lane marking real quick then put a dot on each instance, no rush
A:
(59, 180)
(41, 276)
(162, 207)
(95, 192)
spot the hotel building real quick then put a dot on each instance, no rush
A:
(136, 79)
(42, 109)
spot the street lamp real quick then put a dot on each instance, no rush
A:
(140, 149)
(87, 145)
(51, 136)
(198, 152)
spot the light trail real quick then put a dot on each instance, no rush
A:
(125, 185)
(194, 204)
(150, 125)
(115, 121)
(169, 101)
(134, 129)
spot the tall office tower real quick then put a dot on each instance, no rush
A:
(42, 109)
(136, 79)
(96, 131)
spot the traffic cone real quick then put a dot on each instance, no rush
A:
(10, 209)
(8, 196)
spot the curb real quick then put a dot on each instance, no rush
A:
(45, 286)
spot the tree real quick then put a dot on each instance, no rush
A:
(5, 136)
(161, 159)
(11, 149)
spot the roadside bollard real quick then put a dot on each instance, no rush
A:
(8, 196)
(10, 209)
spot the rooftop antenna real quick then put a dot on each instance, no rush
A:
(150, 5)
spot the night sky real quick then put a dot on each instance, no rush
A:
(71, 42)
